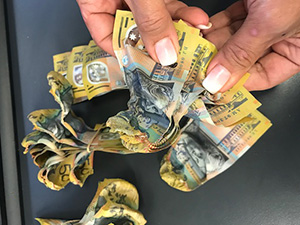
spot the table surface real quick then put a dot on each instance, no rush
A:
(263, 187)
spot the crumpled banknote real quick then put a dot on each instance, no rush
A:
(115, 202)
(168, 109)
(62, 145)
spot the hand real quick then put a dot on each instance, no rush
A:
(262, 37)
(154, 20)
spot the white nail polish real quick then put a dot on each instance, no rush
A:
(165, 52)
(216, 79)
(204, 27)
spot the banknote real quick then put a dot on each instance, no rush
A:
(49, 121)
(57, 171)
(239, 106)
(41, 140)
(205, 150)
(60, 62)
(81, 167)
(145, 115)
(61, 90)
(225, 110)
(101, 72)
(115, 202)
(155, 90)
(33, 138)
(168, 108)
(201, 53)
(74, 74)
(56, 222)
(57, 175)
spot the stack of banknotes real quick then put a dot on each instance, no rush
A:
(115, 202)
(168, 109)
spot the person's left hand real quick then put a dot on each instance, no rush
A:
(275, 65)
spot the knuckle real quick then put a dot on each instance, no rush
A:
(239, 56)
(152, 23)
(263, 80)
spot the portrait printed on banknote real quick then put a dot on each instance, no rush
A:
(195, 156)
(150, 99)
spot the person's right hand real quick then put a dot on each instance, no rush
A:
(153, 18)
(259, 36)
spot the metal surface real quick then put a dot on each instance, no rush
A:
(261, 188)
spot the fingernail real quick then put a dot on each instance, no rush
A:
(216, 79)
(204, 27)
(165, 52)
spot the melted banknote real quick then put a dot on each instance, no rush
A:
(168, 108)
(115, 202)
(205, 150)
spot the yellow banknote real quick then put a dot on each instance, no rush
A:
(74, 74)
(101, 72)
(238, 105)
(60, 62)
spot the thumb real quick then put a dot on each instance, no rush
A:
(156, 29)
(236, 57)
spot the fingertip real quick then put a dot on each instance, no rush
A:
(101, 27)
(158, 34)
(216, 79)
(193, 15)
(105, 44)
(165, 51)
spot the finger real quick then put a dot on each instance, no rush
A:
(225, 18)
(99, 19)
(289, 48)
(236, 57)
(270, 71)
(193, 15)
(221, 36)
(156, 29)
(100, 26)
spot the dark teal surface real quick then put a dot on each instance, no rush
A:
(263, 187)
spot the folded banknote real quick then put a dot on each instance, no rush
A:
(168, 109)
(115, 202)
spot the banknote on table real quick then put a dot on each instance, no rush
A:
(62, 145)
(63, 163)
(49, 121)
(220, 127)
(101, 72)
(205, 150)
(115, 202)
(56, 171)
(62, 93)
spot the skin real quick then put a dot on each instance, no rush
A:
(257, 36)
(154, 24)
(262, 37)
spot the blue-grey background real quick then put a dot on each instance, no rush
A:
(263, 187)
